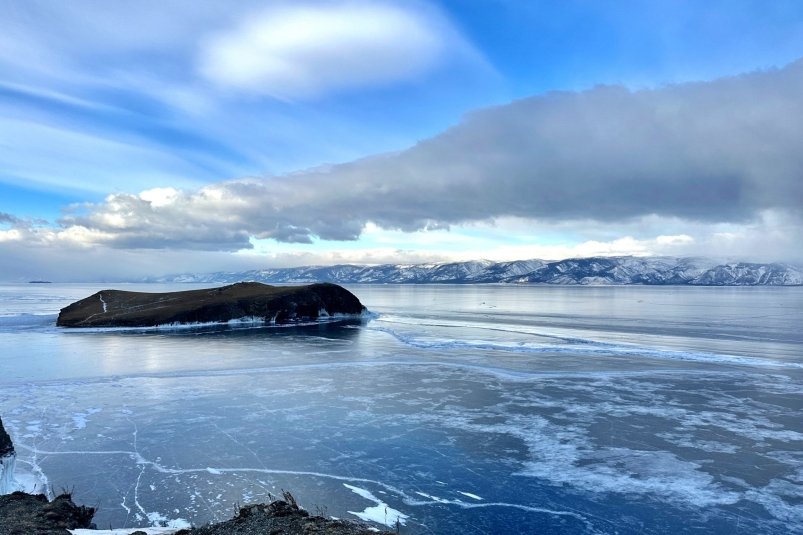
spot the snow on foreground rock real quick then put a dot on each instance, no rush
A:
(127, 531)
(283, 518)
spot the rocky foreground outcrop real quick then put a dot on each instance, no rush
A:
(282, 518)
(252, 300)
(33, 514)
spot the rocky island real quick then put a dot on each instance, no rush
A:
(251, 301)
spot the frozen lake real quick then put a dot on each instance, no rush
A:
(484, 409)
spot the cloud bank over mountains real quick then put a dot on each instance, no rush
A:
(728, 151)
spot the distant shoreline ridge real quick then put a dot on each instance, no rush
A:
(593, 271)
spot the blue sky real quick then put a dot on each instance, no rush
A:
(151, 137)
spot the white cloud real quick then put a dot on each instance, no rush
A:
(159, 197)
(679, 239)
(31, 250)
(726, 152)
(303, 50)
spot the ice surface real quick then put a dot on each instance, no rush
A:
(159, 520)
(576, 414)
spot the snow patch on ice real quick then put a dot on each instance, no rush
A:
(80, 418)
(159, 520)
(380, 513)
(433, 498)
(34, 428)
(213, 471)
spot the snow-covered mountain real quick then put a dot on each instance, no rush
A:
(576, 271)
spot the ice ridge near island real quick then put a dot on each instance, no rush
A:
(578, 271)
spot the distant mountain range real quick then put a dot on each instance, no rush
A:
(576, 271)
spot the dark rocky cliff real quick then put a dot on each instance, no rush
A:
(279, 304)
(6, 447)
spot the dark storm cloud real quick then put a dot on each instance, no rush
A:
(719, 151)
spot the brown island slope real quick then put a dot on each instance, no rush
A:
(272, 304)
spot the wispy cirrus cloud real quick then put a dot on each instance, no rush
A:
(151, 94)
(301, 50)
